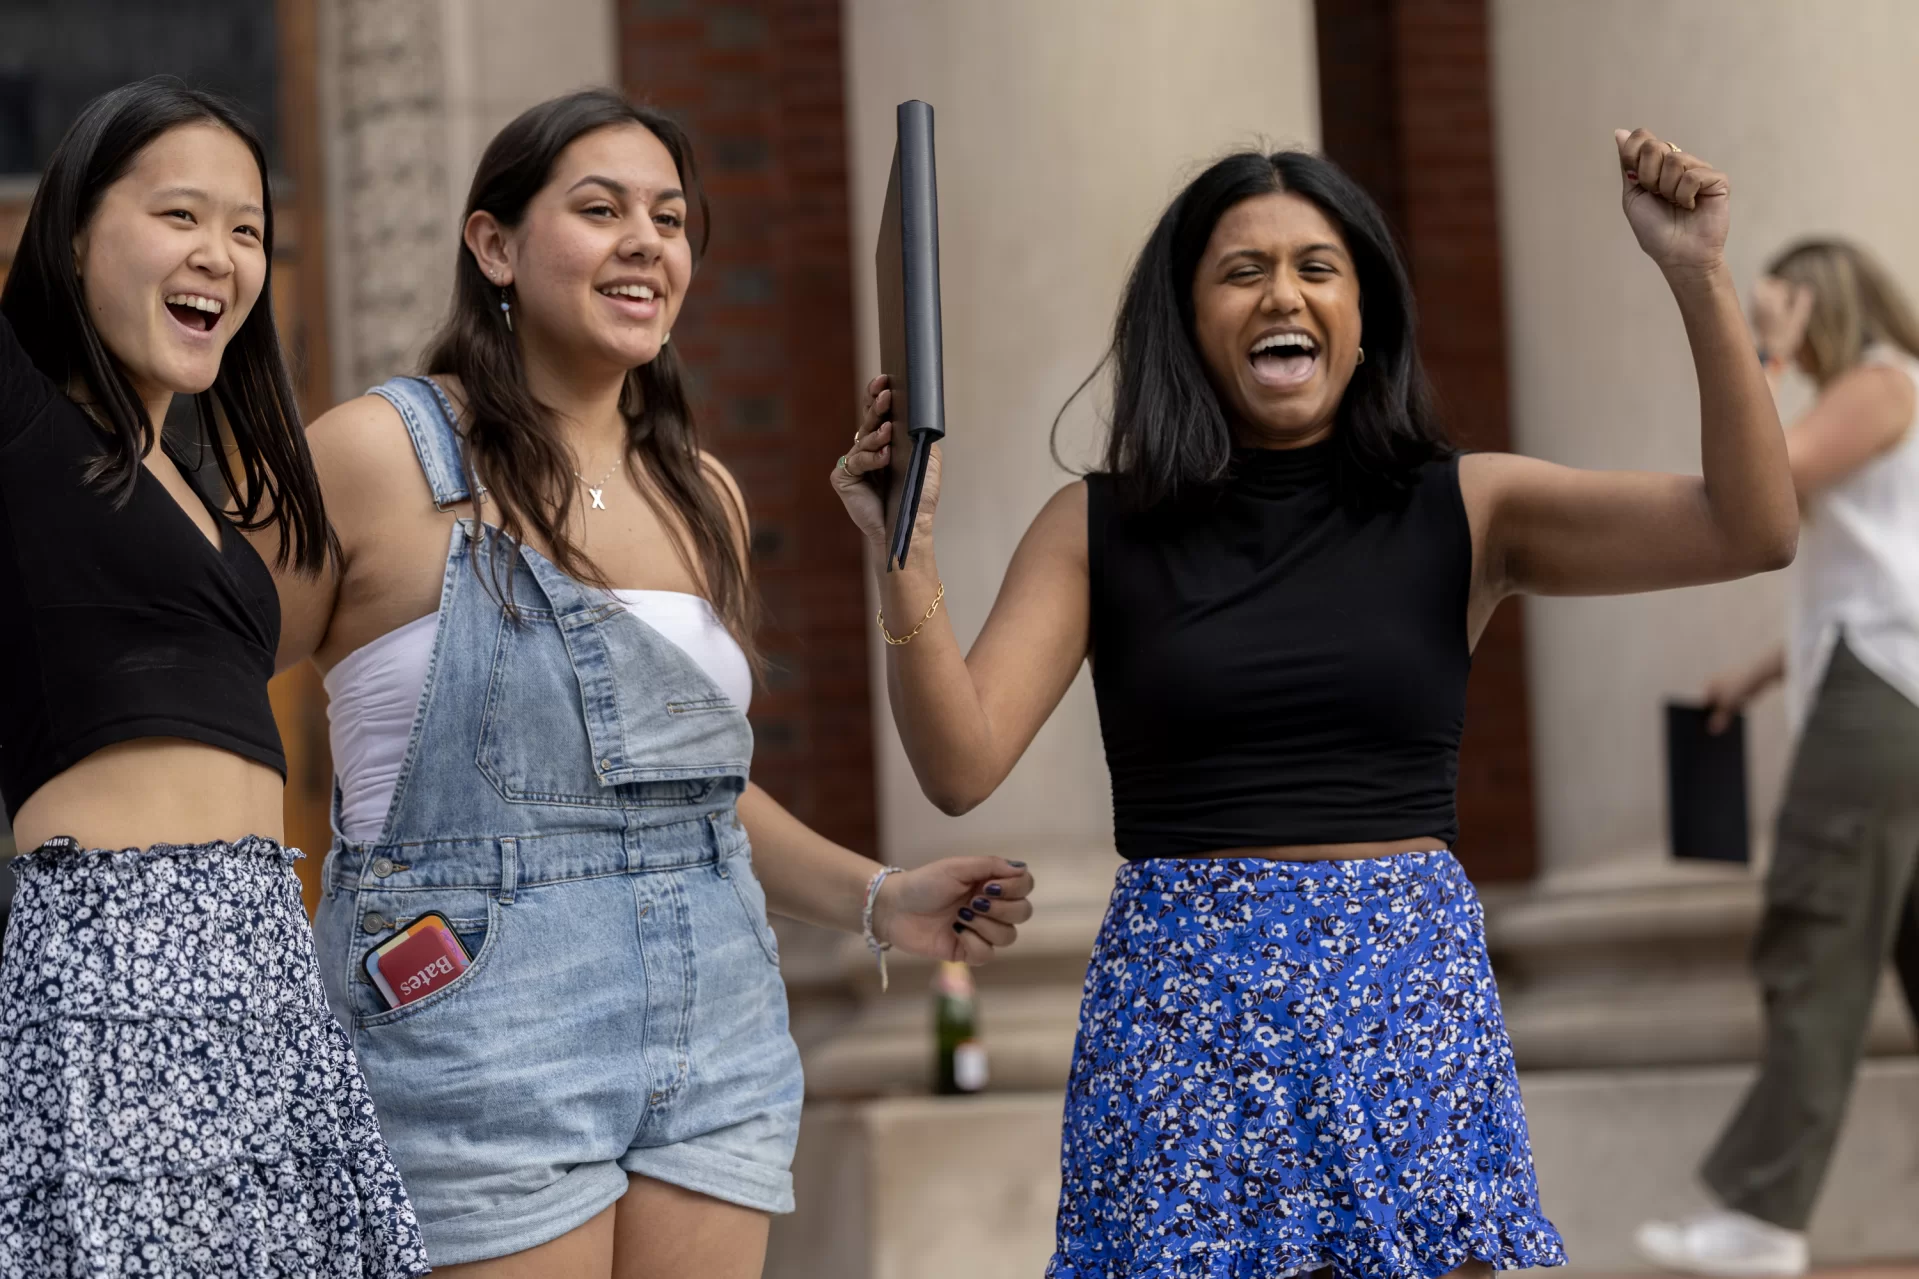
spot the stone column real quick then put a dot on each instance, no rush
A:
(1624, 975)
(411, 91)
(383, 95)
(1062, 131)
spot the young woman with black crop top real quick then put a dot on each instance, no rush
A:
(1291, 1054)
(177, 1099)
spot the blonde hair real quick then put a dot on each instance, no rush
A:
(1855, 304)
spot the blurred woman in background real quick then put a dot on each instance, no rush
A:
(1839, 895)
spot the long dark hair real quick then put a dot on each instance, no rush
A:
(1169, 439)
(250, 412)
(512, 439)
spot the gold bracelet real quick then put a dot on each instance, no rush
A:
(907, 638)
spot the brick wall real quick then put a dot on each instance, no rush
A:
(768, 336)
(1406, 107)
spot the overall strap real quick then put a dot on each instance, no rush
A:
(436, 440)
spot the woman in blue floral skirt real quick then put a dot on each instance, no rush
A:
(1291, 1055)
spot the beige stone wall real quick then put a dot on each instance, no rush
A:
(411, 92)
(502, 56)
(1808, 108)
(1061, 129)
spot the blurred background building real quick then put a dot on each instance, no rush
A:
(1484, 129)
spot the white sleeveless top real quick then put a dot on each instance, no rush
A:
(1858, 569)
(374, 693)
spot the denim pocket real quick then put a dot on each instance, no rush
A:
(752, 898)
(648, 712)
(479, 933)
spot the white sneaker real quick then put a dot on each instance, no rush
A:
(1723, 1243)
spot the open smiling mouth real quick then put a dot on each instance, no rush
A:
(1284, 359)
(641, 301)
(194, 311)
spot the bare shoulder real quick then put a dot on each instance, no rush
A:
(1488, 470)
(1881, 395)
(724, 478)
(366, 424)
(365, 460)
(1068, 503)
(733, 499)
(1060, 526)
(1487, 480)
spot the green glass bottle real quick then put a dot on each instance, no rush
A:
(961, 1056)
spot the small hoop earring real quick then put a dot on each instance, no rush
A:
(506, 310)
(1362, 356)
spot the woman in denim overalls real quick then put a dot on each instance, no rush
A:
(537, 654)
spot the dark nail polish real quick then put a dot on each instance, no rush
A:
(994, 890)
(959, 928)
(980, 903)
(967, 914)
(1021, 865)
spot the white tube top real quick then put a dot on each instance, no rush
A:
(374, 694)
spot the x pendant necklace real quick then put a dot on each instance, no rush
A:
(598, 492)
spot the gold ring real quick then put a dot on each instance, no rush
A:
(843, 464)
(1674, 146)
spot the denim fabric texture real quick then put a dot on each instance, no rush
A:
(568, 804)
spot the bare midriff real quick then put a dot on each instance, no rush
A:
(156, 790)
(1330, 852)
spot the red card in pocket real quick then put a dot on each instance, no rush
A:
(421, 958)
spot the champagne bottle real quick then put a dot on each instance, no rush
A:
(961, 1056)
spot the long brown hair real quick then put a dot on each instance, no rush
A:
(513, 440)
(1855, 303)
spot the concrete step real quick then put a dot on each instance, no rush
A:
(1617, 1147)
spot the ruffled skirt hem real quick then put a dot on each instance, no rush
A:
(1414, 1252)
(304, 1217)
(179, 1100)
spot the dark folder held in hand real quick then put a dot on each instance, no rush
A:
(907, 267)
(1706, 786)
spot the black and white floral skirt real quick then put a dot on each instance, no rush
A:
(175, 1097)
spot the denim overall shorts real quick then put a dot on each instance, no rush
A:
(567, 802)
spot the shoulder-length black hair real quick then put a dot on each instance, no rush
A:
(514, 439)
(250, 412)
(1169, 439)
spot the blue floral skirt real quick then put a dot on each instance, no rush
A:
(175, 1097)
(1284, 1066)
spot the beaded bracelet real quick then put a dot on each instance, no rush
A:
(874, 944)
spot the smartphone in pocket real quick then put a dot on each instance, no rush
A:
(422, 957)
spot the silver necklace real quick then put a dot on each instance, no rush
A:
(598, 492)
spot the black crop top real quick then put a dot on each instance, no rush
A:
(115, 624)
(1274, 668)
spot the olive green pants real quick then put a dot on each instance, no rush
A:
(1840, 901)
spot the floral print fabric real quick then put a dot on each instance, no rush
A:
(1284, 1066)
(175, 1097)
